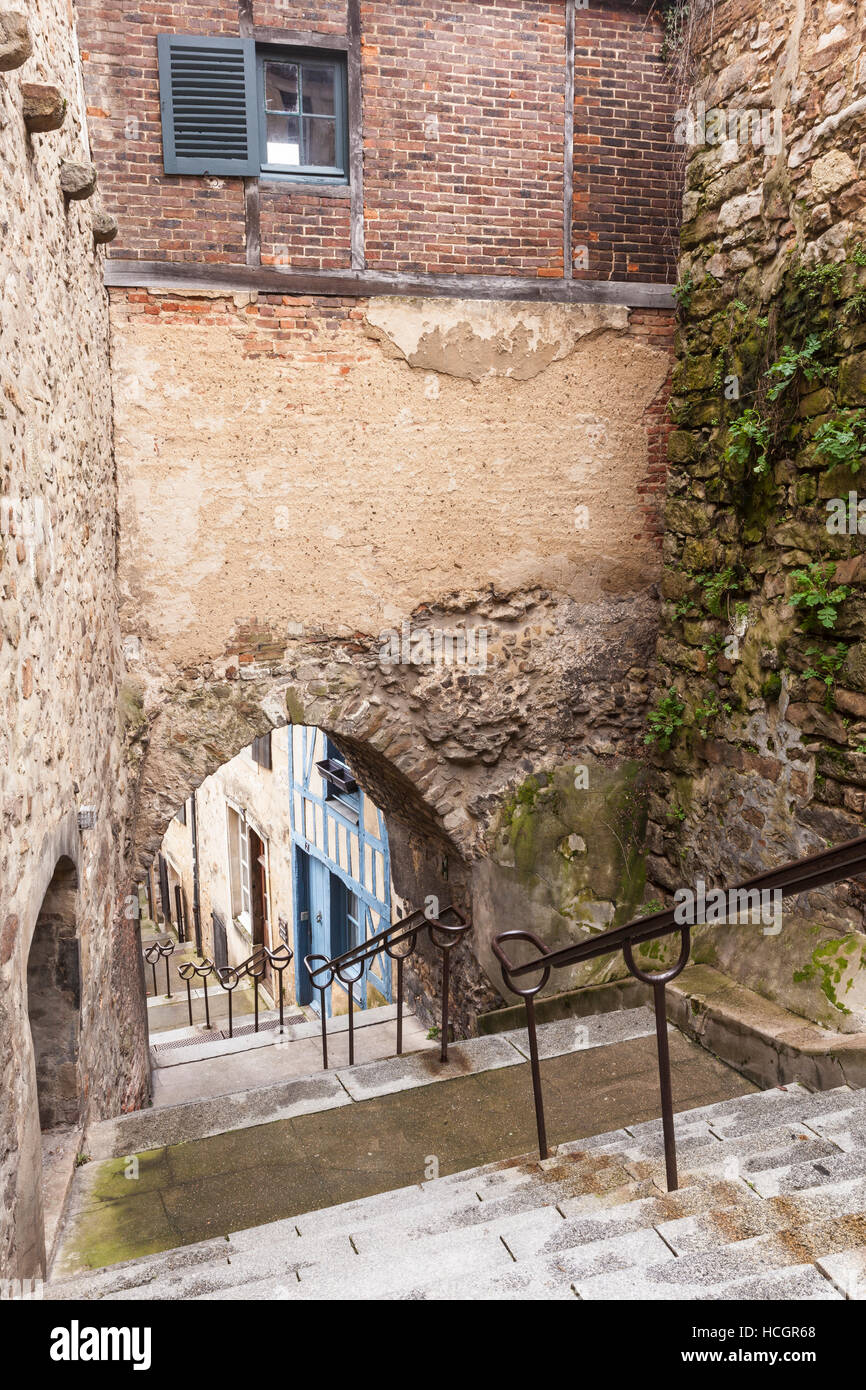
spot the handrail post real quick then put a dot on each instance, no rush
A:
(535, 1071)
(446, 983)
(351, 1025)
(206, 1005)
(399, 1006)
(665, 1086)
(322, 991)
(658, 982)
(189, 1002)
(167, 976)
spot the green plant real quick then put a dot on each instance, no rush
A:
(706, 711)
(813, 281)
(654, 905)
(716, 587)
(665, 719)
(684, 290)
(792, 365)
(433, 1032)
(684, 608)
(749, 438)
(813, 594)
(826, 669)
(841, 441)
(81, 1159)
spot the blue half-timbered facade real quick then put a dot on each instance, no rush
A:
(340, 867)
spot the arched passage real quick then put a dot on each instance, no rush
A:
(54, 1000)
(459, 757)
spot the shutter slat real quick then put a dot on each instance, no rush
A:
(208, 99)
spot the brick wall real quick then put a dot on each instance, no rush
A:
(463, 136)
(463, 113)
(626, 190)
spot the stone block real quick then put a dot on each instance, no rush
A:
(43, 106)
(77, 180)
(16, 45)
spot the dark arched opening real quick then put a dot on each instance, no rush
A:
(54, 1000)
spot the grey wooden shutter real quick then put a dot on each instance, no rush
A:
(209, 105)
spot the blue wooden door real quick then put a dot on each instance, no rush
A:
(320, 908)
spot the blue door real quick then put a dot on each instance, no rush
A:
(312, 922)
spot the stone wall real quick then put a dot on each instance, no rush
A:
(763, 675)
(61, 735)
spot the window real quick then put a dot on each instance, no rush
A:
(261, 751)
(301, 114)
(340, 786)
(239, 866)
(230, 106)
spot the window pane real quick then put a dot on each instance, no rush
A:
(281, 86)
(319, 141)
(318, 91)
(284, 142)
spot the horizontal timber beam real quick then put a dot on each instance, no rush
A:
(239, 279)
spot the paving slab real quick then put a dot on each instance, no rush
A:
(575, 1034)
(405, 1073)
(846, 1271)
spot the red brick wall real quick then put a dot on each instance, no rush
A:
(626, 194)
(482, 192)
(479, 189)
(303, 228)
(162, 218)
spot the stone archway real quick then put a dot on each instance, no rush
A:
(54, 1000)
(443, 749)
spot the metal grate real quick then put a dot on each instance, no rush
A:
(244, 1030)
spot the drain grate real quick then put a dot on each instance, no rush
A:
(243, 1030)
(194, 1041)
(246, 1028)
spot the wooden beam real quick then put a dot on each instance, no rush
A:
(239, 279)
(568, 144)
(301, 38)
(252, 222)
(356, 138)
(252, 218)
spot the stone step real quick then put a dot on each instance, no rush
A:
(799, 1177)
(751, 1269)
(725, 1225)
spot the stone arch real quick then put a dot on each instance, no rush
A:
(54, 1000)
(441, 749)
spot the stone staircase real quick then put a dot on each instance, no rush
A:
(772, 1204)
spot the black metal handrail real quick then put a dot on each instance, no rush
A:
(228, 977)
(798, 876)
(444, 931)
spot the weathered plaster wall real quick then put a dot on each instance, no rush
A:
(61, 736)
(295, 471)
(767, 759)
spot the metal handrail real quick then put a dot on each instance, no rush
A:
(798, 876)
(444, 931)
(228, 977)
